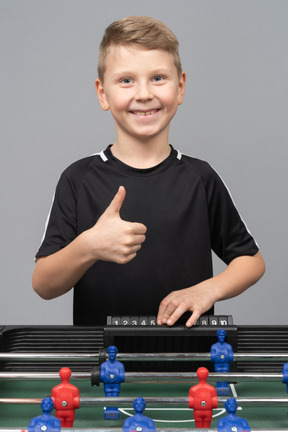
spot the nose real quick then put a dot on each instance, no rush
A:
(143, 92)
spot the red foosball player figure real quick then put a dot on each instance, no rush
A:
(66, 399)
(203, 398)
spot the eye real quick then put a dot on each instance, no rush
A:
(126, 81)
(158, 78)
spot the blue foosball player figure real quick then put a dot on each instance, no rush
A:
(139, 422)
(222, 355)
(285, 375)
(45, 422)
(232, 423)
(112, 374)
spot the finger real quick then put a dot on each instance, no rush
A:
(178, 312)
(164, 312)
(117, 201)
(131, 249)
(140, 238)
(193, 318)
(126, 258)
(161, 311)
(135, 240)
(138, 228)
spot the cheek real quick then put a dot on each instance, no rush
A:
(170, 98)
(118, 103)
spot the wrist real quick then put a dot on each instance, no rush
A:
(212, 289)
(87, 247)
(216, 286)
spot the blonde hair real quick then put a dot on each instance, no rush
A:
(140, 31)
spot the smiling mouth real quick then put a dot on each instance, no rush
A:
(145, 113)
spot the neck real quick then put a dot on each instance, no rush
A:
(141, 155)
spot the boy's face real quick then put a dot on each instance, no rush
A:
(142, 89)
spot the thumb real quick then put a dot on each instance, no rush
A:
(117, 201)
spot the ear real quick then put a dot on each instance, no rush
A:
(181, 88)
(101, 95)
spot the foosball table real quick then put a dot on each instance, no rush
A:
(161, 365)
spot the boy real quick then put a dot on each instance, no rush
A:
(132, 228)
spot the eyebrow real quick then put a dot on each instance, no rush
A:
(121, 74)
(158, 71)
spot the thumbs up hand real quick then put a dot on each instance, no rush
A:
(113, 239)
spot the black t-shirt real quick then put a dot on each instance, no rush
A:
(187, 210)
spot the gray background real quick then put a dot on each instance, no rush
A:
(234, 115)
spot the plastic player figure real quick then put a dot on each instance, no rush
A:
(285, 375)
(66, 399)
(139, 422)
(232, 422)
(112, 374)
(203, 398)
(45, 422)
(222, 355)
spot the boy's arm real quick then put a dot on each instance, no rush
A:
(239, 275)
(110, 239)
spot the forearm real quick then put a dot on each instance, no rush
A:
(56, 274)
(110, 239)
(239, 275)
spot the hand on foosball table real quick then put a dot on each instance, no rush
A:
(196, 299)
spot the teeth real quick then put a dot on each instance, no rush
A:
(141, 113)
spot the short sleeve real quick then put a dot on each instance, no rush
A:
(61, 223)
(230, 237)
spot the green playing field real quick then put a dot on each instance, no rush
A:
(165, 417)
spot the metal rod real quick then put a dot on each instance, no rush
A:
(276, 356)
(23, 376)
(50, 357)
(21, 401)
(192, 376)
(74, 357)
(178, 401)
(156, 377)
